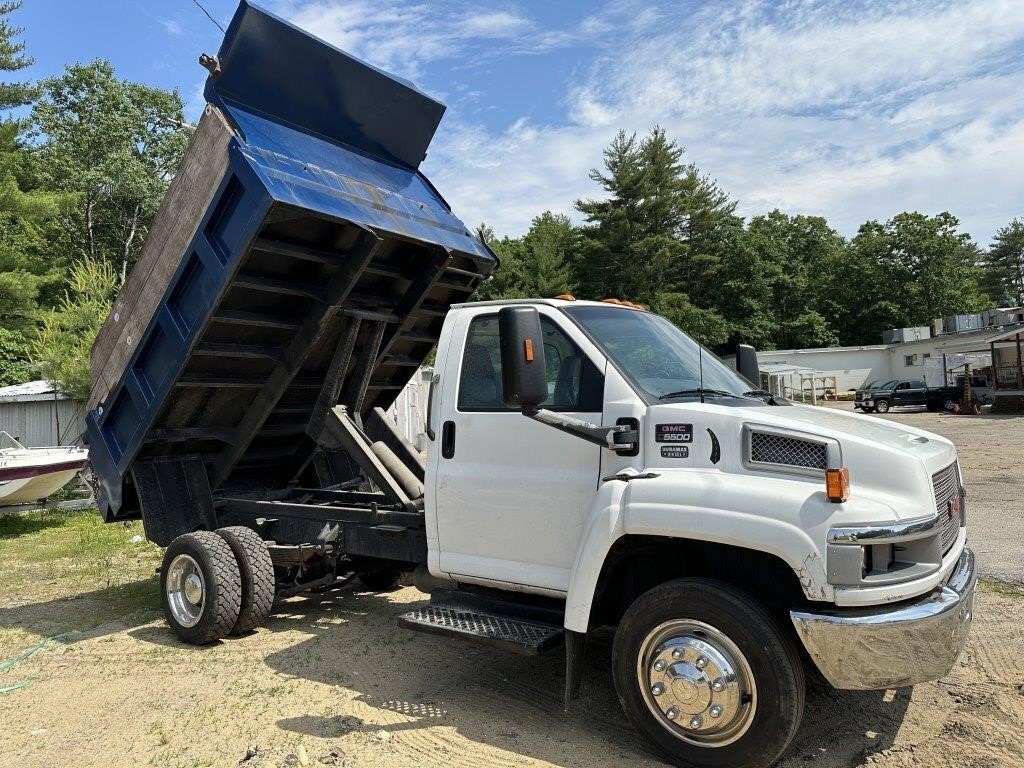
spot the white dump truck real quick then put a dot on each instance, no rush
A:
(589, 464)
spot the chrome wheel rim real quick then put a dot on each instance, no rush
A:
(185, 590)
(697, 683)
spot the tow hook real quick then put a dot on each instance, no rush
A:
(627, 476)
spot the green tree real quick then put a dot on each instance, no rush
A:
(111, 147)
(62, 348)
(610, 263)
(776, 281)
(1004, 264)
(25, 271)
(660, 235)
(547, 251)
(537, 265)
(906, 272)
(14, 365)
(508, 281)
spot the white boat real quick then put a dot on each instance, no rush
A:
(32, 474)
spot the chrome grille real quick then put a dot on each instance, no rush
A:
(767, 448)
(946, 483)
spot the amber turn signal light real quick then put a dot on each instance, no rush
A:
(837, 484)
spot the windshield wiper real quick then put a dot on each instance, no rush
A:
(698, 391)
(762, 394)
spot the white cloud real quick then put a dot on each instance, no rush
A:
(173, 27)
(848, 110)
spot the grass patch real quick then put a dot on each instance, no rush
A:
(1002, 588)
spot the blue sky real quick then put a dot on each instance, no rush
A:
(847, 110)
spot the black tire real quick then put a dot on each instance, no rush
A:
(381, 579)
(882, 406)
(221, 586)
(257, 571)
(770, 651)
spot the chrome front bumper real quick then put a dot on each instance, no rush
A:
(893, 646)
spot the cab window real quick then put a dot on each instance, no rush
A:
(574, 383)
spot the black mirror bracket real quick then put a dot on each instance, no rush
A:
(619, 437)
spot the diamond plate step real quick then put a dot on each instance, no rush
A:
(504, 632)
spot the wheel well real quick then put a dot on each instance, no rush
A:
(636, 564)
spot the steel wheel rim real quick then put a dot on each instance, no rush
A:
(697, 683)
(185, 590)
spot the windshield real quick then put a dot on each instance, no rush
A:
(656, 356)
(879, 384)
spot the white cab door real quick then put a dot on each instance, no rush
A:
(511, 493)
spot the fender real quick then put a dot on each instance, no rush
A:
(773, 515)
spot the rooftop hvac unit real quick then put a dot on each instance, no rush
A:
(963, 323)
(902, 335)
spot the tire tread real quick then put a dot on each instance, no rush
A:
(257, 576)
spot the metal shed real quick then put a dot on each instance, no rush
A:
(38, 415)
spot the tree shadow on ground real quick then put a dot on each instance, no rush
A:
(16, 524)
(514, 702)
(88, 614)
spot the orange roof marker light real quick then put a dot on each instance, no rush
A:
(624, 303)
(566, 297)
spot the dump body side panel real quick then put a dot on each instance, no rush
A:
(315, 274)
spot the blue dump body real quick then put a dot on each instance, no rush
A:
(321, 236)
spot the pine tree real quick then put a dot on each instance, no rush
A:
(547, 252)
(1004, 264)
(608, 242)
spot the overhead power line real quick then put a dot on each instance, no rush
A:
(200, 7)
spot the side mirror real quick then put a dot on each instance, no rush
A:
(746, 364)
(524, 381)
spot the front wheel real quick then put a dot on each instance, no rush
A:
(882, 406)
(708, 675)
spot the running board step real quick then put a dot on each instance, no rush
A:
(506, 633)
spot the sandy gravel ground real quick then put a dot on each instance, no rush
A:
(332, 681)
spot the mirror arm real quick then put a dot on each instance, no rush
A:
(618, 437)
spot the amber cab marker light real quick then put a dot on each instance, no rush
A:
(837, 484)
(566, 297)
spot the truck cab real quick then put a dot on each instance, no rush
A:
(846, 537)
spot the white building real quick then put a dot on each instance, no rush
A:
(916, 358)
(37, 415)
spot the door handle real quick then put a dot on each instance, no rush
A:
(448, 439)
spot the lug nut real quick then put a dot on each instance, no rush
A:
(695, 721)
(657, 689)
(672, 713)
(701, 662)
(718, 684)
(677, 654)
(715, 711)
(660, 665)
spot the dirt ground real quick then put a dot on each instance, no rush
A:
(332, 681)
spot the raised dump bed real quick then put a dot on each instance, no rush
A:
(299, 262)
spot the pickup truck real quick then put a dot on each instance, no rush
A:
(880, 396)
(589, 464)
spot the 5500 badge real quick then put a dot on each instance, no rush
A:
(673, 433)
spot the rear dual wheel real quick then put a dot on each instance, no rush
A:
(708, 675)
(216, 583)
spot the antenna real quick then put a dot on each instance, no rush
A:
(700, 366)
